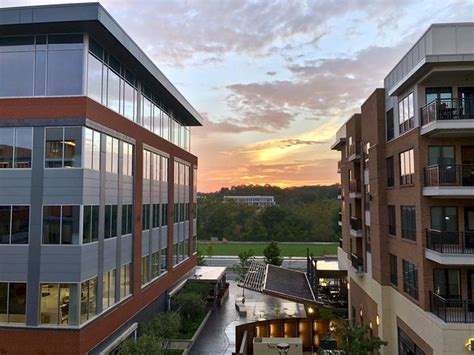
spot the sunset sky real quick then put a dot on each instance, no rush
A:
(274, 80)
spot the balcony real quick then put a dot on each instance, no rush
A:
(339, 166)
(448, 118)
(450, 248)
(357, 263)
(449, 181)
(354, 189)
(353, 152)
(356, 227)
(452, 310)
(339, 219)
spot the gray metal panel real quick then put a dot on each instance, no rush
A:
(111, 189)
(91, 187)
(164, 236)
(63, 186)
(110, 254)
(14, 263)
(15, 186)
(60, 263)
(126, 245)
(145, 243)
(89, 260)
(155, 240)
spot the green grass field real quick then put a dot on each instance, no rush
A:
(286, 249)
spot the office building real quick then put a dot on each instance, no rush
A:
(97, 182)
(407, 192)
(257, 201)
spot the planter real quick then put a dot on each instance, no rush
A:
(185, 345)
(222, 297)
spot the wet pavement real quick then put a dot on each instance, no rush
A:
(218, 336)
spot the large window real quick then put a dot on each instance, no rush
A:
(390, 125)
(393, 270)
(164, 214)
(15, 148)
(59, 304)
(410, 279)
(444, 94)
(127, 159)
(14, 224)
(407, 167)
(88, 299)
(125, 277)
(111, 219)
(63, 147)
(444, 219)
(111, 155)
(12, 302)
(408, 214)
(392, 222)
(390, 172)
(61, 224)
(92, 149)
(108, 290)
(446, 283)
(90, 224)
(146, 217)
(145, 269)
(406, 113)
(406, 346)
(127, 218)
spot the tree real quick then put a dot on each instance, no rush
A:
(245, 259)
(191, 306)
(272, 254)
(201, 261)
(164, 326)
(144, 345)
(357, 341)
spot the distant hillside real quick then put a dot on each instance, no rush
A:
(290, 195)
(306, 213)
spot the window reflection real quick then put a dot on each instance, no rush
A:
(59, 304)
(15, 147)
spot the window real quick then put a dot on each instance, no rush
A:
(91, 149)
(176, 212)
(443, 94)
(108, 291)
(155, 216)
(14, 224)
(90, 224)
(155, 264)
(392, 223)
(125, 277)
(111, 155)
(407, 167)
(12, 303)
(145, 217)
(390, 125)
(410, 279)
(127, 218)
(165, 120)
(408, 222)
(406, 113)
(145, 269)
(63, 147)
(17, 69)
(127, 159)
(61, 224)
(113, 85)
(164, 214)
(146, 164)
(164, 169)
(146, 113)
(393, 270)
(88, 299)
(94, 78)
(406, 346)
(444, 219)
(110, 224)
(446, 283)
(129, 96)
(390, 172)
(58, 304)
(15, 148)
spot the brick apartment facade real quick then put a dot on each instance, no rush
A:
(407, 199)
(97, 182)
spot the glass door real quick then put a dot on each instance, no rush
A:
(469, 227)
(467, 102)
(444, 158)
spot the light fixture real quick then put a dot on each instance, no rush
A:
(348, 286)
(361, 313)
(310, 310)
(377, 319)
(370, 324)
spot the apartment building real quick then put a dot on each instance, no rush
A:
(97, 182)
(407, 199)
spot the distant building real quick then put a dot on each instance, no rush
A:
(258, 201)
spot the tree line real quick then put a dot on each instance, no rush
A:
(302, 214)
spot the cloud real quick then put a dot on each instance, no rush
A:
(271, 73)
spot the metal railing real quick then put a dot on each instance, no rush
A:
(453, 310)
(447, 109)
(450, 242)
(354, 186)
(449, 175)
(356, 262)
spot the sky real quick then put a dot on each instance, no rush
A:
(274, 80)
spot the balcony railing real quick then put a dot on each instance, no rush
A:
(354, 186)
(356, 223)
(357, 263)
(452, 310)
(449, 175)
(354, 149)
(447, 109)
(450, 242)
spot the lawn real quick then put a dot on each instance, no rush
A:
(286, 249)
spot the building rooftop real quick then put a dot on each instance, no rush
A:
(92, 18)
